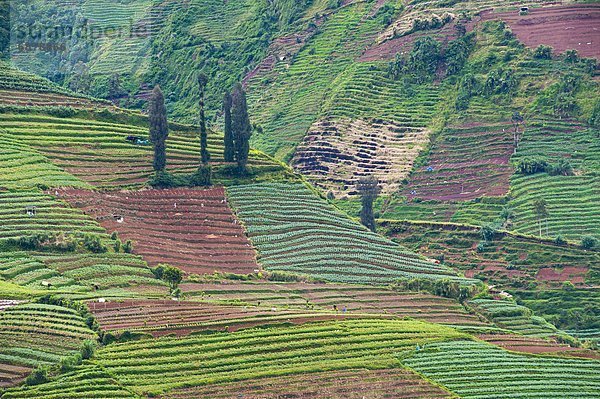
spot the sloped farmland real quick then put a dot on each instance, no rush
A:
(571, 27)
(191, 229)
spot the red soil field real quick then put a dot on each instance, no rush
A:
(12, 375)
(465, 163)
(576, 275)
(575, 27)
(161, 317)
(519, 343)
(387, 50)
(194, 230)
(354, 299)
(343, 384)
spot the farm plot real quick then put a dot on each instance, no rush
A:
(335, 154)
(37, 334)
(344, 299)
(287, 100)
(51, 216)
(14, 80)
(101, 271)
(573, 205)
(157, 366)
(519, 343)
(514, 317)
(162, 317)
(23, 167)
(478, 370)
(89, 381)
(508, 261)
(99, 154)
(568, 27)
(345, 384)
(561, 140)
(194, 230)
(465, 163)
(296, 231)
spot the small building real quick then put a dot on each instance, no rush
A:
(31, 211)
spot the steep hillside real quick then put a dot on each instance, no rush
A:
(478, 277)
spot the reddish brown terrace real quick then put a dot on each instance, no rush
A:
(194, 230)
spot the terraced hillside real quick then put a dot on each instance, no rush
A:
(98, 153)
(192, 229)
(296, 231)
(22, 89)
(166, 317)
(487, 370)
(508, 261)
(343, 299)
(351, 384)
(37, 334)
(253, 354)
(466, 163)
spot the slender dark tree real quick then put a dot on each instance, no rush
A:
(4, 28)
(159, 129)
(229, 154)
(204, 155)
(240, 127)
(368, 188)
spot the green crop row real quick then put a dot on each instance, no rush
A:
(296, 231)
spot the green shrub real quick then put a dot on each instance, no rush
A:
(94, 244)
(128, 247)
(202, 177)
(88, 349)
(589, 242)
(38, 376)
(543, 52)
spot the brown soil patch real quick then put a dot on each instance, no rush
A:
(194, 230)
(343, 384)
(574, 27)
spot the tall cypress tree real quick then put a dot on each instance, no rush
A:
(159, 129)
(240, 126)
(229, 154)
(368, 188)
(204, 155)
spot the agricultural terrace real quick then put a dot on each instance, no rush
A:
(486, 371)
(344, 299)
(168, 317)
(287, 100)
(80, 273)
(563, 27)
(194, 230)
(51, 216)
(23, 167)
(88, 381)
(573, 205)
(344, 384)
(98, 153)
(509, 261)
(572, 310)
(157, 366)
(33, 334)
(296, 231)
(465, 163)
(513, 317)
(519, 343)
(16, 88)
(103, 271)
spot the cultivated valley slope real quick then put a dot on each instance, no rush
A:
(480, 278)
